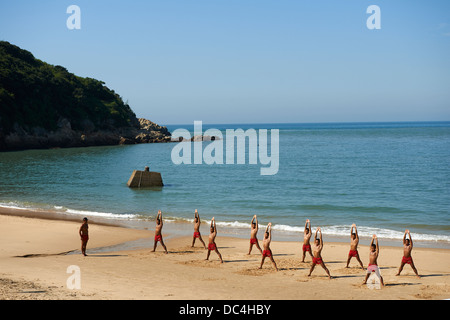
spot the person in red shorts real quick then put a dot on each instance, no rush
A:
(267, 252)
(306, 237)
(407, 258)
(354, 240)
(253, 232)
(197, 234)
(212, 240)
(317, 254)
(84, 235)
(158, 232)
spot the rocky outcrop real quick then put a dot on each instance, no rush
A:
(149, 132)
(65, 137)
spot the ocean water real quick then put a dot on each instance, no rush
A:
(384, 177)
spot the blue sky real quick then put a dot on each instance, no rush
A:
(250, 61)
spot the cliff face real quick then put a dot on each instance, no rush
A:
(66, 137)
(45, 106)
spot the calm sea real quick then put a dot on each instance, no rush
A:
(385, 177)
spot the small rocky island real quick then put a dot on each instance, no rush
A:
(44, 106)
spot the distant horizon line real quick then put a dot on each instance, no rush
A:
(313, 123)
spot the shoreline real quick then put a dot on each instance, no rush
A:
(184, 228)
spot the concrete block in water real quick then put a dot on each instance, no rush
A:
(146, 178)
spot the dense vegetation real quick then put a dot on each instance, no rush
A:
(35, 94)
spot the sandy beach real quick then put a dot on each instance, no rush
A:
(35, 255)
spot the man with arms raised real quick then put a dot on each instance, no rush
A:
(407, 258)
(373, 257)
(212, 240)
(267, 253)
(253, 232)
(354, 240)
(317, 254)
(197, 234)
(306, 238)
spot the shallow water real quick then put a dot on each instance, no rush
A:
(385, 177)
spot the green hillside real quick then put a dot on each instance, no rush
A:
(35, 94)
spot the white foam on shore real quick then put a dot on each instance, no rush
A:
(107, 215)
(344, 231)
(367, 232)
(63, 210)
(15, 206)
(332, 231)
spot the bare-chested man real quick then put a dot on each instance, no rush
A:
(354, 240)
(267, 253)
(84, 235)
(253, 233)
(373, 257)
(317, 251)
(306, 238)
(407, 258)
(158, 232)
(212, 240)
(197, 234)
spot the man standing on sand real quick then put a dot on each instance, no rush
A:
(266, 245)
(354, 240)
(317, 257)
(197, 229)
(158, 231)
(212, 240)
(84, 235)
(253, 232)
(373, 264)
(407, 258)
(306, 237)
